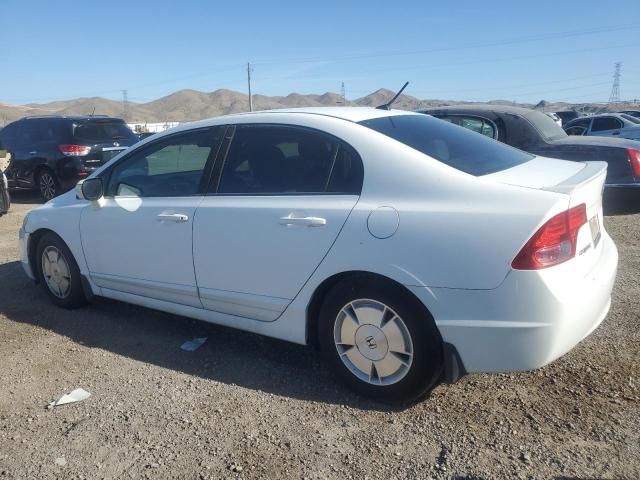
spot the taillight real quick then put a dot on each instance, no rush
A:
(634, 160)
(74, 150)
(554, 243)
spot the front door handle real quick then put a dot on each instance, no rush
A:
(304, 221)
(33, 153)
(173, 217)
(615, 133)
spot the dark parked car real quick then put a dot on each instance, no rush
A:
(51, 153)
(5, 200)
(536, 133)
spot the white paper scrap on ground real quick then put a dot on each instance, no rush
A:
(77, 395)
(191, 345)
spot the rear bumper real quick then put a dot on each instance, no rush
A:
(530, 320)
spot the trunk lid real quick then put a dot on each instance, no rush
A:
(581, 182)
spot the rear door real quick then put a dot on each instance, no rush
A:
(274, 211)
(606, 126)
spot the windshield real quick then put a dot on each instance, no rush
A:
(455, 146)
(102, 131)
(630, 118)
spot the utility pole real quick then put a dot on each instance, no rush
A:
(249, 83)
(615, 90)
(125, 106)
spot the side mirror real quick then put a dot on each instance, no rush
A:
(91, 189)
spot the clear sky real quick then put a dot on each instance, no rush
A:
(460, 50)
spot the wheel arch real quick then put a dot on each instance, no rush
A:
(319, 294)
(32, 246)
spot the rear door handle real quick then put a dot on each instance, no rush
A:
(304, 221)
(615, 133)
(173, 217)
(33, 153)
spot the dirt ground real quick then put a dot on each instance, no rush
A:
(251, 407)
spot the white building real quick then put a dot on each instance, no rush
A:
(152, 127)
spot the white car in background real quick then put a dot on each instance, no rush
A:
(617, 125)
(409, 249)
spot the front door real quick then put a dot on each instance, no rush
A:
(138, 238)
(283, 195)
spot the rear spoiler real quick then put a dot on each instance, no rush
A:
(590, 171)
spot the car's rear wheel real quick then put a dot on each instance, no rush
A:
(47, 184)
(59, 273)
(380, 340)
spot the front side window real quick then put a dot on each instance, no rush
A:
(449, 144)
(171, 167)
(476, 124)
(605, 123)
(277, 160)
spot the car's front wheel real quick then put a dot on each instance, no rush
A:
(47, 184)
(380, 340)
(58, 272)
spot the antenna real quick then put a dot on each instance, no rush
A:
(615, 89)
(387, 106)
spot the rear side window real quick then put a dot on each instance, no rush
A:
(280, 160)
(605, 123)
(102, 131)
(476, 124)
(457, 147)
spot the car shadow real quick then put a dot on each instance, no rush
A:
(229, 356)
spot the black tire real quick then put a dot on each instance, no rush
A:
(47, 184)
(427, 362)
(73, 296)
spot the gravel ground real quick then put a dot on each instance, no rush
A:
(251, 407)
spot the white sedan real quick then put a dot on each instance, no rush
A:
(410, 250)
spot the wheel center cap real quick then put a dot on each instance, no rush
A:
(371, 342)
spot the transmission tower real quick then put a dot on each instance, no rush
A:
(125, 105)
(615, 90)
(343, 96)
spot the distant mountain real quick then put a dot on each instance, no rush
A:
(187, 105)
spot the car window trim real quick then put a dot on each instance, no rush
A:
(224, 153)
(106, 175)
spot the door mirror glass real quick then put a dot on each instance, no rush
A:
(92, 189)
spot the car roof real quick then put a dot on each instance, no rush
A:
(350, 114)
(486, 107)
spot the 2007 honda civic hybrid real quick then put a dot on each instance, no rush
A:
(410, 250)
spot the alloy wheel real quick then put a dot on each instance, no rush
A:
(373, 342)
(47, 185)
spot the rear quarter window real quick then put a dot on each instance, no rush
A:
(455, 146)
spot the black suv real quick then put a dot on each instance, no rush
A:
(51, 153)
